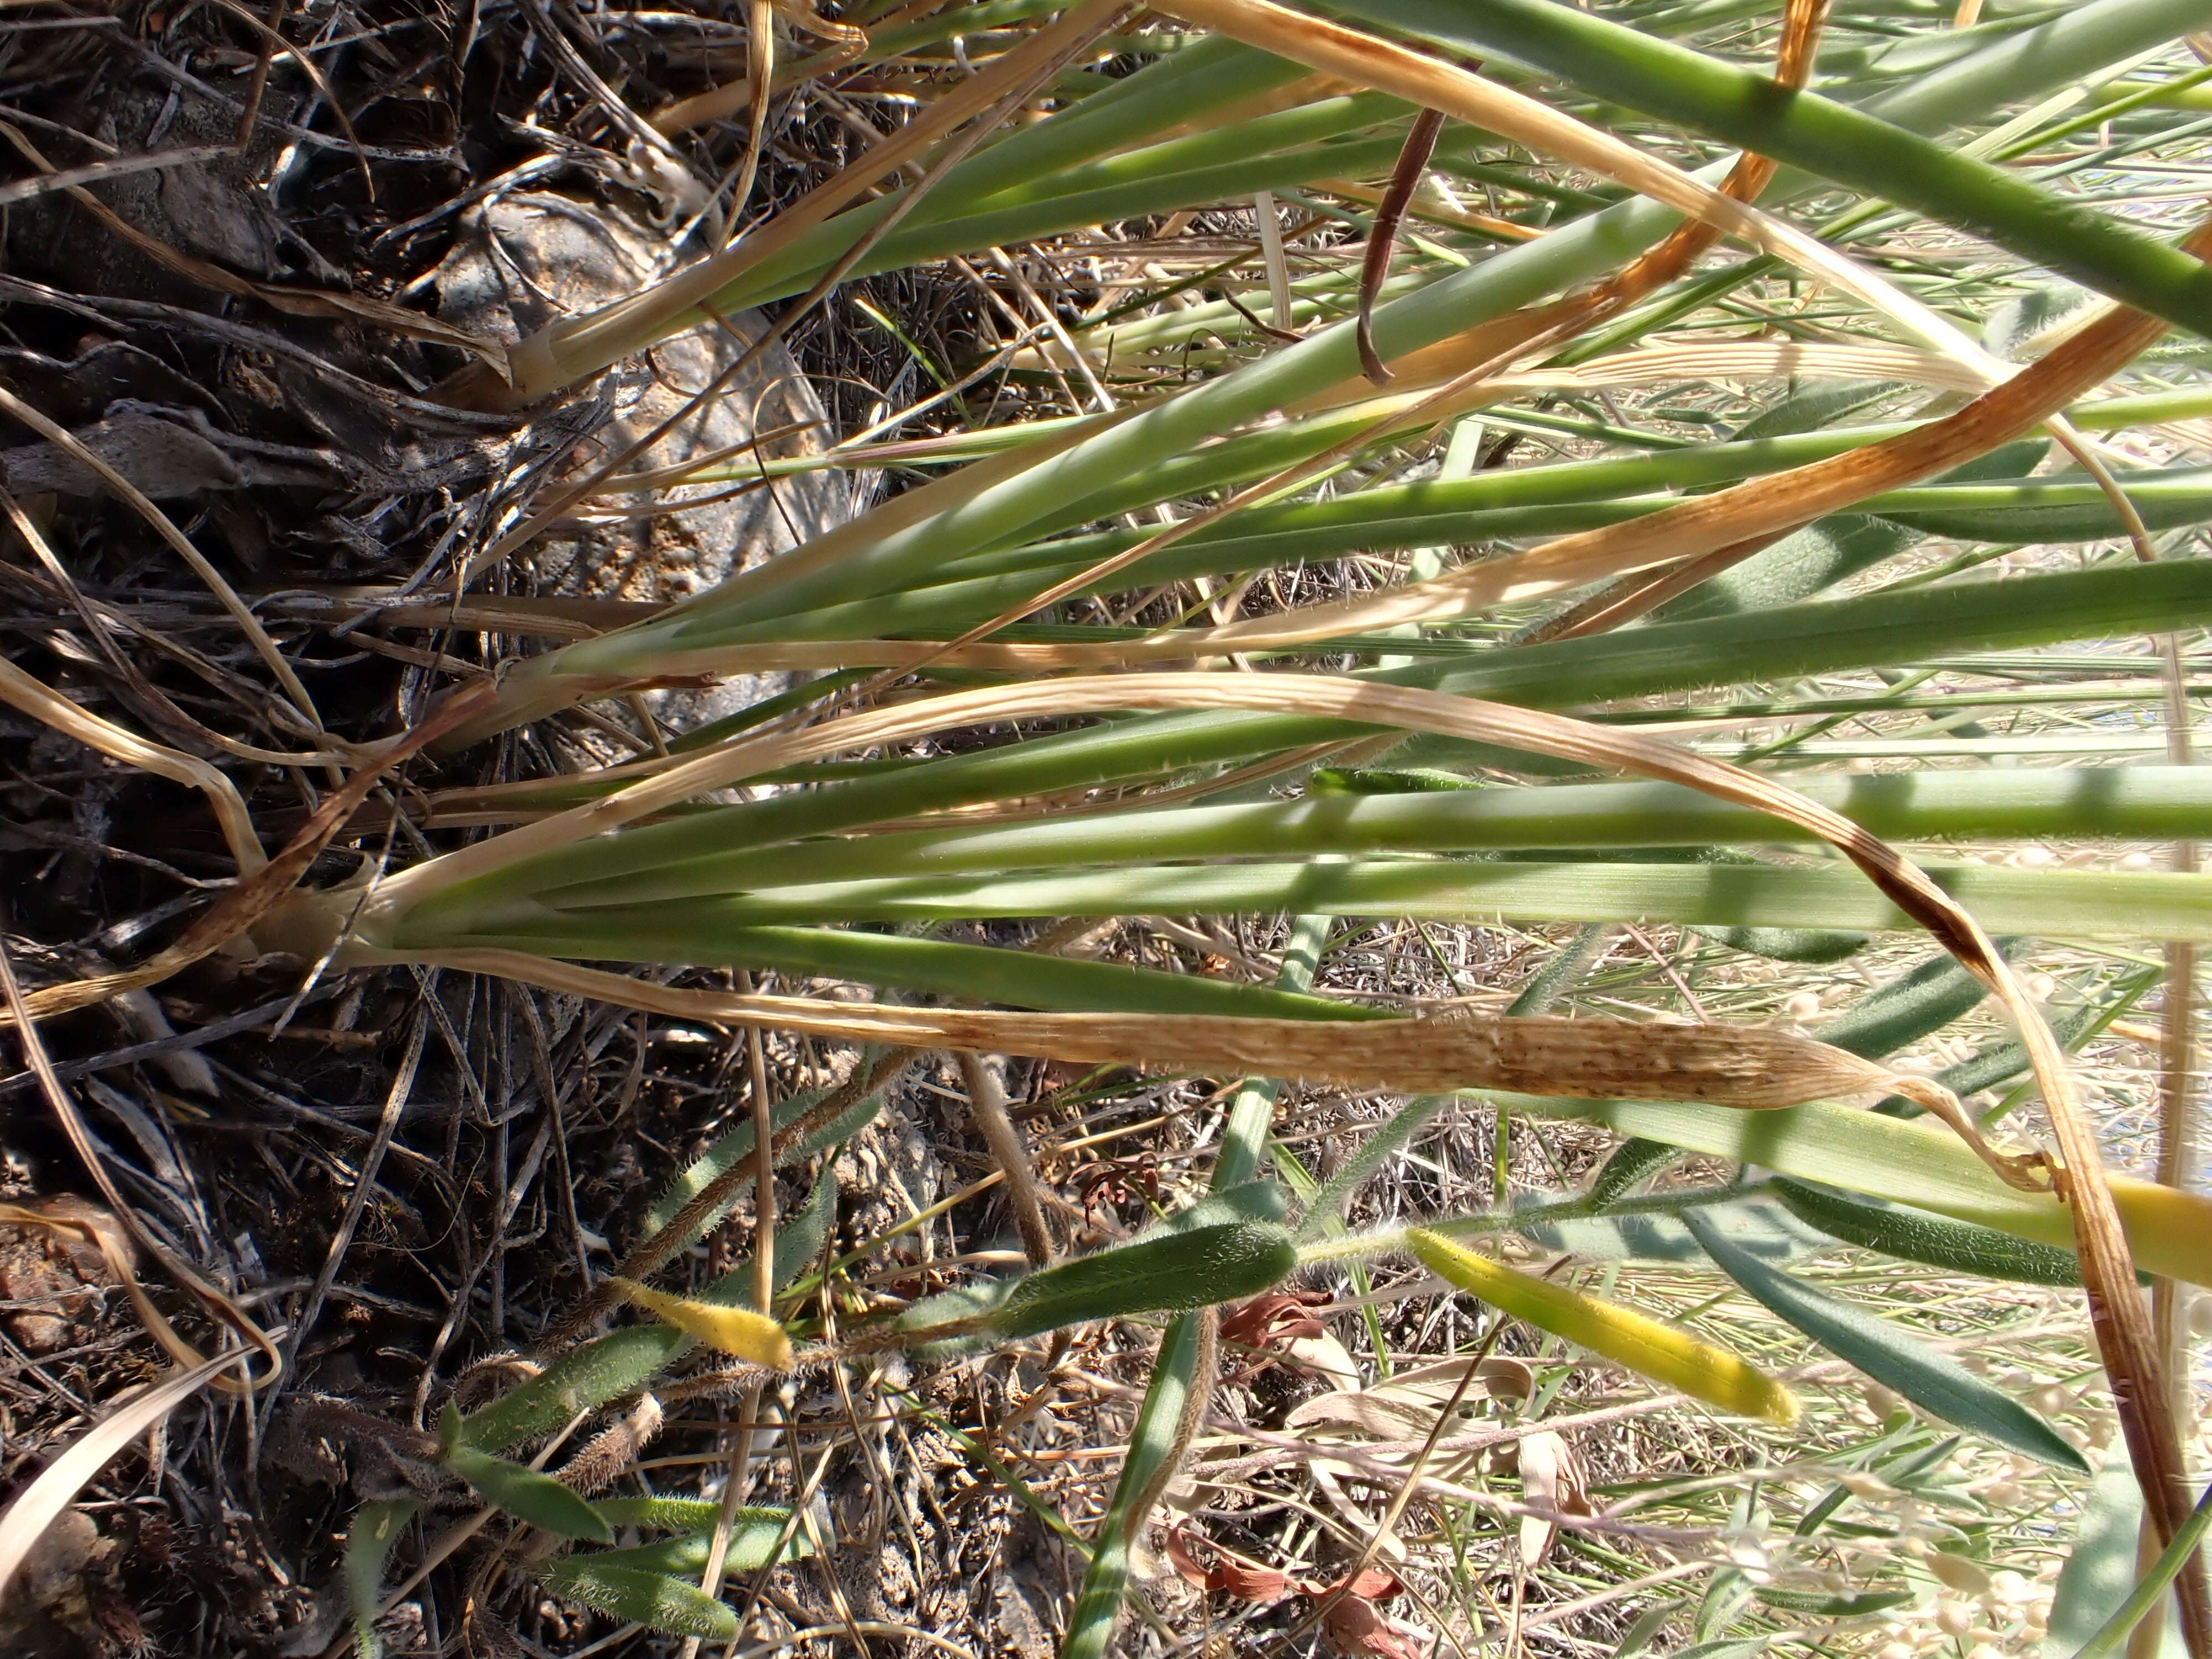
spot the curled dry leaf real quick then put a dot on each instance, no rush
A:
(1354, 1625)
(1552, 1479)
(1325, 1357)
(1750, 1067)
(1230, 1574)
(1359, 1629)
(1369, 1584)
(1502, 1378)
(1406, 1406)
(1274, 1319)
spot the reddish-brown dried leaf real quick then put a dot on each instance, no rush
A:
(1230, 1574)
(1357, 1629)
(1275, 1319)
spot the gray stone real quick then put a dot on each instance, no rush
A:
(526, 259)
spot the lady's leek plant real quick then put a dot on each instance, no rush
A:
(1766, 572)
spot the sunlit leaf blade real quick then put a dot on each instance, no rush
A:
(588, 1375)
(1754, 1222)
(1640, 1344)
(1829, 139)
(749, 1336)
(1171, 1272)
(1260, 1200)
(757, 1538)
(2169, 1230)
(1891, 1355)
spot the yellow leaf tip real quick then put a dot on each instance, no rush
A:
(1781, 1406)
(739, 1331)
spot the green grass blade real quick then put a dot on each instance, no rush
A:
(1796, 641)
(2145, 803)
(2051, 54)
(2058, 903)
(729, 1148)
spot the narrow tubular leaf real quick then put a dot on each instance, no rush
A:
(1933, 1381)
(1791, 641)
(1641, 1345)
(1830, 139)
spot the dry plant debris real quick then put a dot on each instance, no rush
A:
(951, 828)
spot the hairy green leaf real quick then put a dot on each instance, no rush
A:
(528, 1494)
(369, 1543)
(1890, 1354)
(653, 1599)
